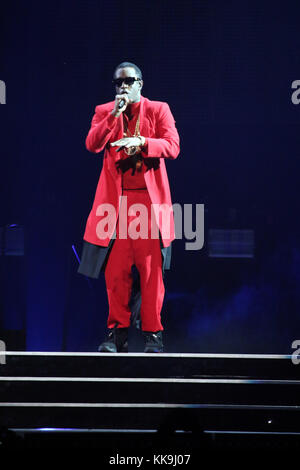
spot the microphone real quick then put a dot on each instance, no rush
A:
(121, 104)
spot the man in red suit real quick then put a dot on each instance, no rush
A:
(133, 191)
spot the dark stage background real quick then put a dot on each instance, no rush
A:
(226, 68)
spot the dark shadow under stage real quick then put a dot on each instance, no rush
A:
(149, 401)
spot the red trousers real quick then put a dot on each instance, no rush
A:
(145, 254)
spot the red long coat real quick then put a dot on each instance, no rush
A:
(158, 126)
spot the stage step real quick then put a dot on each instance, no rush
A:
(56, 364)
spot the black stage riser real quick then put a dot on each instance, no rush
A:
(161, 419)
(137, 392)
(144, 365)
(192, 391)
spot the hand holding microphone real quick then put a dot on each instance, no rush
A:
(121, 102)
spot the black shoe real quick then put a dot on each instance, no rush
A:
(116, 341)
(153, 342)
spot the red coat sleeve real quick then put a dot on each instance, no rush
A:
(102, 126)
(166, 142)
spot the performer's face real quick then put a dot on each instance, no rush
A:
(133, 90)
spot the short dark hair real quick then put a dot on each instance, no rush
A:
(129, 64)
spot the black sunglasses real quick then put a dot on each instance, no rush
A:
(127, 80)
